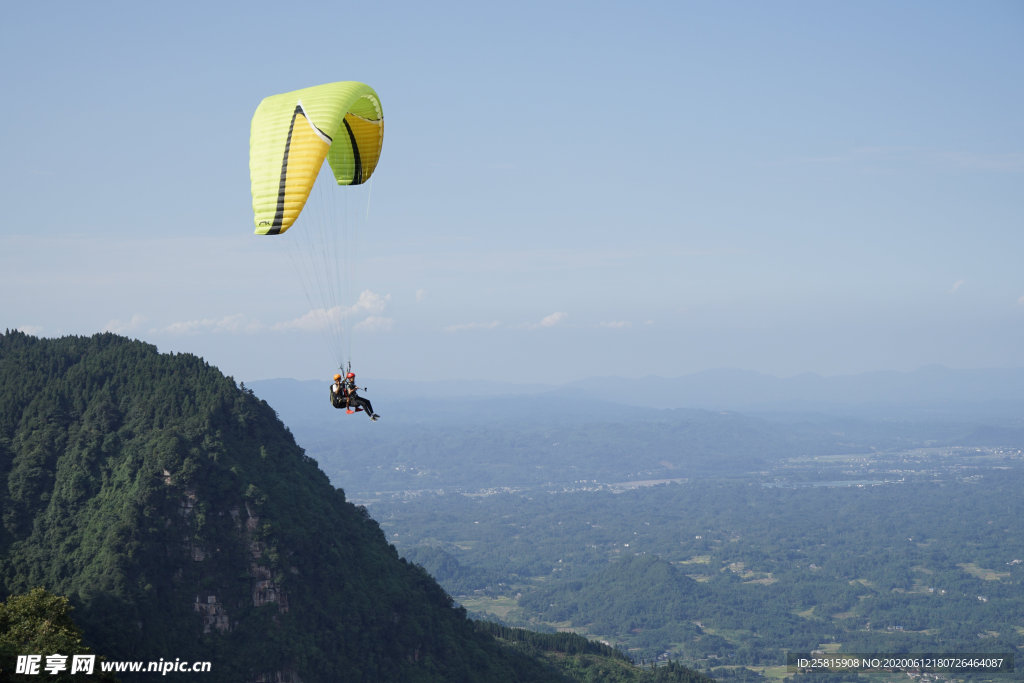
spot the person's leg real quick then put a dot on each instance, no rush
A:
(367, 407)
(364, 404)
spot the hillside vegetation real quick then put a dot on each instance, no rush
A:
(179, 517)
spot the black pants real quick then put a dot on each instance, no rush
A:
(360, 402)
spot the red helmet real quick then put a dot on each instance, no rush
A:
(351, 375)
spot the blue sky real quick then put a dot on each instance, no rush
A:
(783, 187)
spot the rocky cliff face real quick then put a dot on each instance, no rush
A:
(180, 517)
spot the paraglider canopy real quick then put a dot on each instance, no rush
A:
(291, 136)
(293, 133)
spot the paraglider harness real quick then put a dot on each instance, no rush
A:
(343, 399)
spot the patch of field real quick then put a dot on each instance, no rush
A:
(497, 606)
(863, 582)
(774, 672)
(699, 577)
(830, 647)
(919, 568)
(806, 614)
(647, 482)
(984, 574)
(764, 582)
(844, 615)
(832, 458)
(741, 570)
(699, 559)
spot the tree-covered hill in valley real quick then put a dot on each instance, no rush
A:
(180, 518)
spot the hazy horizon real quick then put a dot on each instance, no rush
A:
(328, 373)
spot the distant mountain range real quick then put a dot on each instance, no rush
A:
(931, 385)
(931, 391)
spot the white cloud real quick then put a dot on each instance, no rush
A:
(189, 326)
(472, 326)
(1021, 301)
(30, 329)
(375, 324)
(618, 324)
(233, 324)
(237, 323)
(649, 322)
(549, 321)
(311, 321)
(369, 302)
(119, 327)
(421, 294)
(956, 285)
(554, 319)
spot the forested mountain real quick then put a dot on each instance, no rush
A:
(585, 660)
(181, 519)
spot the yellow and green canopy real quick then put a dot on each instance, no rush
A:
(293, 133)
